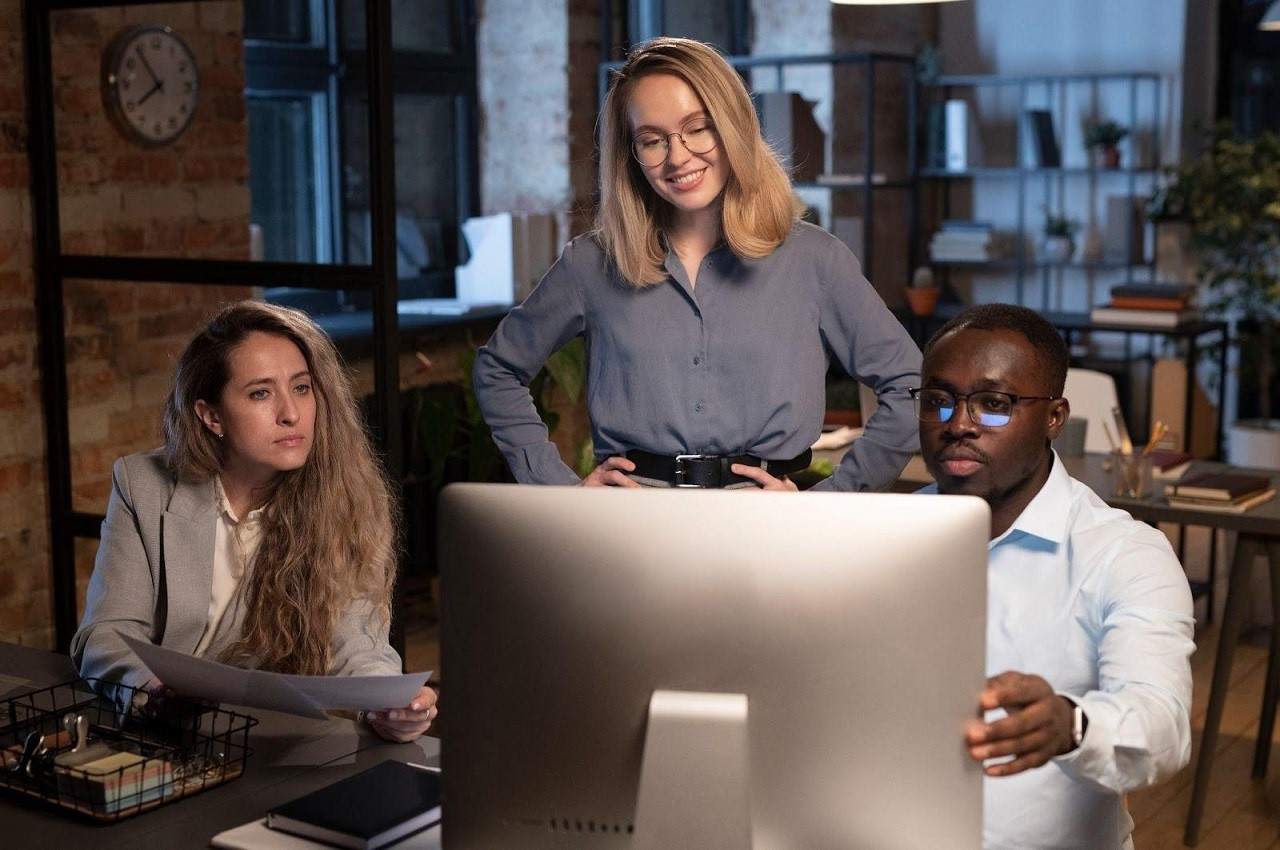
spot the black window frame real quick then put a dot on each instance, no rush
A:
(323, 66)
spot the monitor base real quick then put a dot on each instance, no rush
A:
(695, 775)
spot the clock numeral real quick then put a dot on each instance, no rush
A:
(124, 84)
(155, 43)
(129, 63)
(130, 106)
(173, 122)
(183, 109)
(158, 129)
(186, 87)
(182, 67)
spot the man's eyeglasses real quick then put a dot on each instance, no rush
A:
(651, 148)
(988, 408)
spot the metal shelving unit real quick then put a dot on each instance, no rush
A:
(1054, 89)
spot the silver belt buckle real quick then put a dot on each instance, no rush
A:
(680, 472)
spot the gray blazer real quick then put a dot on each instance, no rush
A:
(154, 574)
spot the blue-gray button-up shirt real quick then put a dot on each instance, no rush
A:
(737, 366)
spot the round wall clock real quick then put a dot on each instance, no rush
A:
(150, 84)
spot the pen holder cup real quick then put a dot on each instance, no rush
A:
(1131, 475)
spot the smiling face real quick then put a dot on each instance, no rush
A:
(1005, 465)
(267, 413)
(664, 104)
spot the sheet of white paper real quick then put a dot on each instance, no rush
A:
(489, 276)
(432, 307)
(309, 696)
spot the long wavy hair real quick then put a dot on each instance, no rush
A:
(758, 206)
(328, 527)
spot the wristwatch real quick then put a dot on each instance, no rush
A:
(1079, 724)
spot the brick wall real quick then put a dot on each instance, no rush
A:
(188, 199)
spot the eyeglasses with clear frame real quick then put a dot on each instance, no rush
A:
(652, 148)
(987, 408)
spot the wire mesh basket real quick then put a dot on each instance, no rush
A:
(96, 749)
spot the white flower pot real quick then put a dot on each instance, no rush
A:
(1255, 442)
(1058, 249)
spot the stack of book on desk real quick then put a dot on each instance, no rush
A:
(965, 242)
(1154, 305)
(1228, 492)
(1169, 465)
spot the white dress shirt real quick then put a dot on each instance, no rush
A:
(1097, 604)
(235, 542)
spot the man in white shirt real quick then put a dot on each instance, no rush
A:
(1089, 621)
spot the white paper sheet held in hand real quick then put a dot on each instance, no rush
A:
(309, 696)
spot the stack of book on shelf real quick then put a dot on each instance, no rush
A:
(1228, 492)
(1152, 305)
(966, 242)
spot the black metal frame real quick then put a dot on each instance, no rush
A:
(52, 268)
(868, 187)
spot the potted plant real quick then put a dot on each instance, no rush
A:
(1229, 196)
(1059, 237)
(922, 293)
(1103, 138)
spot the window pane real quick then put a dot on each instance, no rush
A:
(279, 20)
(710, 21)
(286, 204)
(423, 25)
(426, 192)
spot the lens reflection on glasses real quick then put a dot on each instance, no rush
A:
(989, 409)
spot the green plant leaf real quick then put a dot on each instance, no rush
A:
(586, 460)
(568, 368)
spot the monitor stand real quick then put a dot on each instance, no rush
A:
(694, 776)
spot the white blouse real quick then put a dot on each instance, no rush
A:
(235, 542)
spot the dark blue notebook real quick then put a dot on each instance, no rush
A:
(372, 809)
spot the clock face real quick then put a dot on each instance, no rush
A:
(150, 84)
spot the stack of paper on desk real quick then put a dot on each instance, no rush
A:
(309, 696)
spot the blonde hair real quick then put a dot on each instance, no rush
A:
(329, 527)
(759, 207)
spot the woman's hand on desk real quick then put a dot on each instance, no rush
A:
(408, 723)
(611, 473)
(764, 479)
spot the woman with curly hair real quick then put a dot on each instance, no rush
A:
(262, 533)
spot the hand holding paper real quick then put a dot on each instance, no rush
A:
(308, 696)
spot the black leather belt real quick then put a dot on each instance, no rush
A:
(709, 470)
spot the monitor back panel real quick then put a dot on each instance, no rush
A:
(854, 623)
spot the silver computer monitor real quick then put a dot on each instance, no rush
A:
(777, 669)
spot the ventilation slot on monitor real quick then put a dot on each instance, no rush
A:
(599, 827)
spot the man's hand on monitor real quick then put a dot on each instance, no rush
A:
(1038, 726)
(611, 473)
(764, 479)
(408, 723)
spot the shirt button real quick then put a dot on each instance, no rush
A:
(697, 408)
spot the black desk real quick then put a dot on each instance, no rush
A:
(290, 757)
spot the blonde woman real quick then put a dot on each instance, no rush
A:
(709, 310)
(262, 533)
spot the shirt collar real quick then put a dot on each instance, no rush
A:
(1046, 515)
(224, 504)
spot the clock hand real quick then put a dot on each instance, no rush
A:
(157, 87)
(147, 65)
